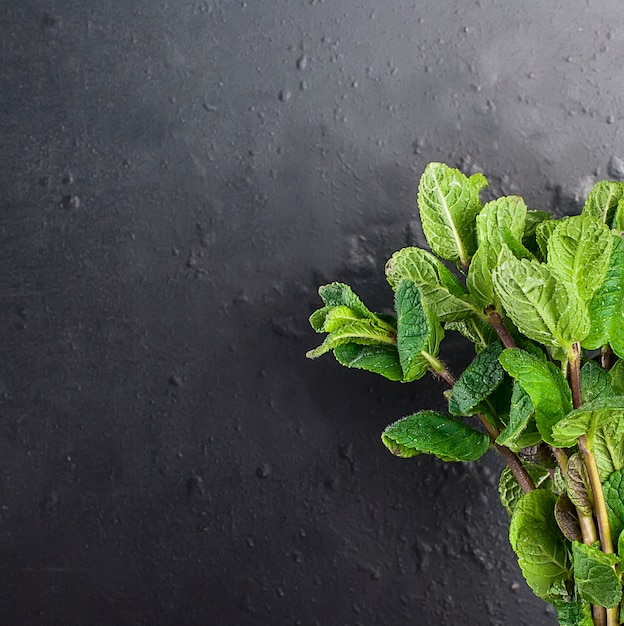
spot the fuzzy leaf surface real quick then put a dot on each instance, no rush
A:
(449, 203)
(539, 545)
(430, 432)
(418, 331)
(595, 578)
(545, 385)
(478, 381)
(579, 251)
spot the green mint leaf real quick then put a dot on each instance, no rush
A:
(595, 384)
(476, 330)
(509, 489)
(429, 432)
(602, 421)
(567, 518)
(603, 200)
(595, 578)
(317, 319)
(339, 294)
(439, 286)
(545, 385)
(508, 212)
(378, 359)
(361, 331)
(578, 486)
(579, 250)
(616, 377)
(541, 307)
(543, 232)
(618, 218)
(500, 221)
(449, 204)
(574, 612)
(606, 309)
(538, 543)
(521, 412)
(479, 279)
(418, 331)
(533, 219)
(481, 378)
(614, 496)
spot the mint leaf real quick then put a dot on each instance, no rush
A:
(595, 384)
(449, 203)
(361, 331)
(521, 411)
(602, 421)
(578, 486)
(614, 496)
(339, 294)
(616, 377)
(539, 544)
(606, 309)
(479, 279)
(567, 518)
(509, 490)
(418, 331)
(579, 250)
(603, 200)
(541, 307)
(434, 433)
(500, 221)
(378, 359)
(543, 232)
(439, 286)
(618, 218)
(476, 330)
(595, 578)
(507, 212)
(478, 381)
(574, 613)
(545, 385)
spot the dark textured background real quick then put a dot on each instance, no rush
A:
(177, 179)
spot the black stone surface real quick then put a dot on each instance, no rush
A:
(177, 179)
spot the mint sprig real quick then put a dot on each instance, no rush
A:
(542, 300)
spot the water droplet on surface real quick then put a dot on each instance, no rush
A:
(263, 471)
(71, 201)
(610, 119)
(302, 62)
(285, 95)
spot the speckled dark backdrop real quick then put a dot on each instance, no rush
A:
(177, 179)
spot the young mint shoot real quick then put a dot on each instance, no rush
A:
(542, 300)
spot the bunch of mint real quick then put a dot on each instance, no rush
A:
(542, 300)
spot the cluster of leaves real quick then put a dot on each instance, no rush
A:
(542, 299)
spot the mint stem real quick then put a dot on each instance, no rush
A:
(496, 322)
(602, 616)
(515, 465)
